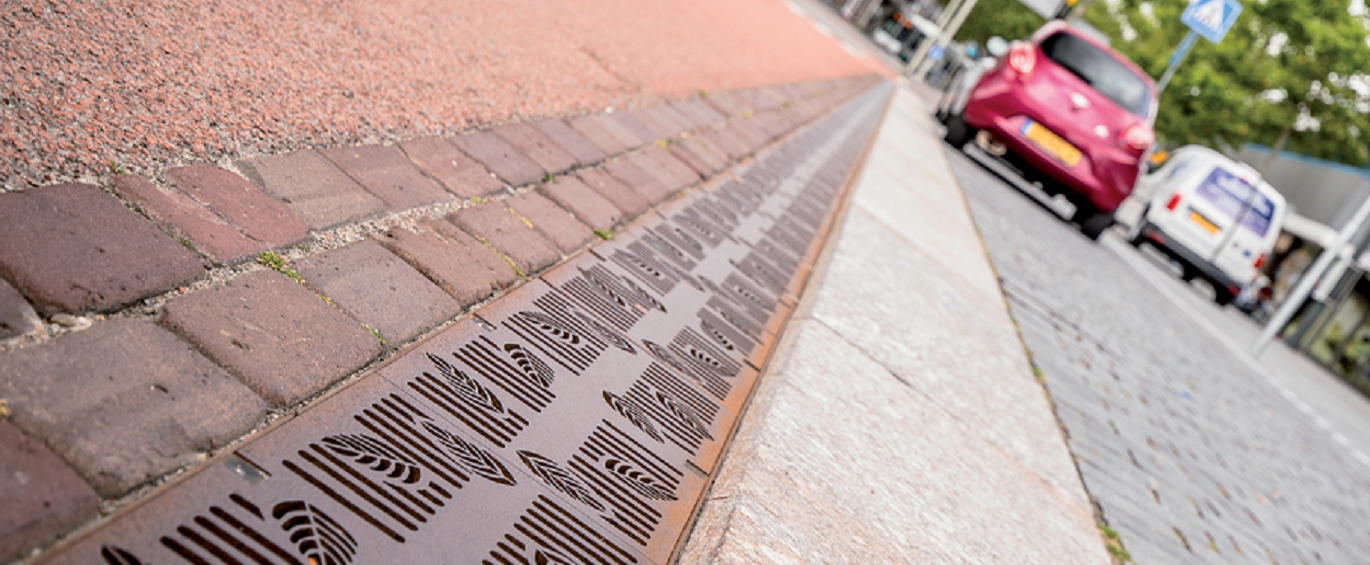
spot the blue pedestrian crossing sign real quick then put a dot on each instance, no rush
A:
(936, 52)
(1212, 18)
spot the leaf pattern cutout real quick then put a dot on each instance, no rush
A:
(536, 370)
(638, 480)
(549, 557)
(474, 458)
(551, 327)
(375, 455)
(612, 337)
(684, 414)
(116, 556)
(466, 387)
(548, 472)
(633, 413)
(315, 535)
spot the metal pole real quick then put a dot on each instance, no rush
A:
(1181, 53)
(921, 52)
(1305, 286)
(919, 62)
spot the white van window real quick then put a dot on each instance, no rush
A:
(1230, 194)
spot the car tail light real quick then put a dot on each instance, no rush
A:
(1260, 262)
(1022, 59)
(1174, 202)
(1139, 137)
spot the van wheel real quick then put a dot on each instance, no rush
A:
(959, 132)
(1222, 296)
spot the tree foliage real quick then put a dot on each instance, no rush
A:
(1008, 19)
(1295, 67)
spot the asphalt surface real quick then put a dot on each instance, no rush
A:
(142, 84)
(1194, 453)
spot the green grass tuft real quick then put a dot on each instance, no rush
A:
(605, 235)
(277, 263)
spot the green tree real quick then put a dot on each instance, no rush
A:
(1290, 74)
(1008, 19)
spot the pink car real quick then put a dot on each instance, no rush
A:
(1066, 111)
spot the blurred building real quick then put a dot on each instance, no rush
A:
(1333, 327)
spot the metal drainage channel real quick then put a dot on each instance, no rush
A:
(576, 420)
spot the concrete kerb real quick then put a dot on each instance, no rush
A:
(150, 308)
(804, 311)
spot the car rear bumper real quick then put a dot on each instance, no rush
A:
(1103, 176)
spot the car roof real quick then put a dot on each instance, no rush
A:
(1061, 26)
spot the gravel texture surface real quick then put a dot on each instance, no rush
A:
(167, 82)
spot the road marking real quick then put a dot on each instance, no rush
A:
(1148, 273)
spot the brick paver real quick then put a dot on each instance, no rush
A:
(41, 496)
(274, 334)
(380, 289)
(696, 156)
(74, 248)
(605, 133)
(182, 216)
(666, 114)
(658, 128)
(16, 315)
(459, 174)
(639, 132)
(672, 173)
(536, 146)
(560, 226)
(726, 138)
(751, 132)
(495, 224)
(584, 202)
(124, 402)
(699, 112)
(462, 266)
(500, 157)
(584, 152)
(728, 104)
(388, 174)
(643, 189)
(257, 215)
(311, 186)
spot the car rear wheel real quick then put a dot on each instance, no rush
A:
(1222, 296)
(1092, 222)
(959, 132)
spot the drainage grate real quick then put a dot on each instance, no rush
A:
(574, 421)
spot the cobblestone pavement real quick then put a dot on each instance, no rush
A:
(1192, 456)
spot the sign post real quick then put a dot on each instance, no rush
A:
(1210, 18)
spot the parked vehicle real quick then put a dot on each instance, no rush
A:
(1066, 111)
(1215, 216)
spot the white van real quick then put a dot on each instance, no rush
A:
(1213, 215)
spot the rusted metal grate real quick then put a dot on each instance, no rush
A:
(574, 421)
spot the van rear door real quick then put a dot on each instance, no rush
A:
(1251, 237)
(1210, 210)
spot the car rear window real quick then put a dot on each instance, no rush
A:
(1230, 194)
(1100, 70)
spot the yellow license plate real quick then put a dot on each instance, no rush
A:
(1052, 143)
(1203, 222)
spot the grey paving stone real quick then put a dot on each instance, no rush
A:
(537, 146)
(500, 157)
(183, 217)
(16, 315)
(388, 174)
(459, 174)
(312, 187)
(585, 152)
(380, 289)
(643, 190)
(605, 133)
(275, 335)
(556, 223)
(495, 224)
(462, 266)
(125, 402)
(593, 209)
(74, 248)
(41, 496)
(231, 196)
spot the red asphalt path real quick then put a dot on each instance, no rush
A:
(153, 83)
